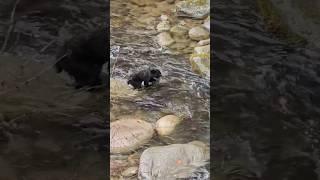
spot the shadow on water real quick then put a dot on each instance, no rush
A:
(48, 130)
(266, 100)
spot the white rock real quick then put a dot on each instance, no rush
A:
(167, 124)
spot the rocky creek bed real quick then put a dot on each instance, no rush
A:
(160, 132)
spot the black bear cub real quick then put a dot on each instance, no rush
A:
(83, 57)
(146, 76)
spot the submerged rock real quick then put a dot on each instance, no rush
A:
(167, 124)
(193, 8)
(165, 39)
(129, 134)
(198, 33)
(120, 89)
(173, 161)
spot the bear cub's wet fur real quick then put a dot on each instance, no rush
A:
(83, 58)
(146, 76)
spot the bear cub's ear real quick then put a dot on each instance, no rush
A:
(155, 71)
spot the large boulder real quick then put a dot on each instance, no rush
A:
(173, 161)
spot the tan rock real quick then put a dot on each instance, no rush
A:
(167, 124)
(204, 42)
(179, 30)
(198, 33)
(129, 134)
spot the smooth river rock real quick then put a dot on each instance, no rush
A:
(167, 124)
(127, 135)
(198, 33)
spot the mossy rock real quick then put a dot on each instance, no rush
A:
(200, 64)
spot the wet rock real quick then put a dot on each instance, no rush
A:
(193, 8)
(165, 39)
(198, 33)
(167, 124)
(201, 65)
(179, 30)
(131, 171)
(163, 26)
(204, 42)
(129, 134)
(172, 161)
(170, 1)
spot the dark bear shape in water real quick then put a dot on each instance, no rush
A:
(83, 57)
(146, 76)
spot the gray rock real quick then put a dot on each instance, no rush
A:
(172, 161)
(198, 9)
